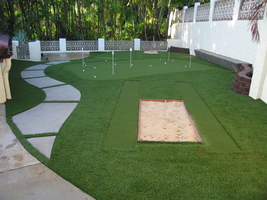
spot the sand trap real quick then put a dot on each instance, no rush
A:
(161, 120)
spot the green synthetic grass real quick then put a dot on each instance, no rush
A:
(154, 170)
(122, 130)
(211, 131)
(143, 64)
(24, 95)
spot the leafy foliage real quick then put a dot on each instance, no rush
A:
(20, 36)
(80, 19)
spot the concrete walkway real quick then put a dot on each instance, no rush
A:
(23, 177)
(47, 117)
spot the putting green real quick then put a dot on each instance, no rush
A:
(99, 66)
(122, 131)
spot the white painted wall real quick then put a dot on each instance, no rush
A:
(228, 38)
(220, 37)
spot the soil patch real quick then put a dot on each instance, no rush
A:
(165, 120)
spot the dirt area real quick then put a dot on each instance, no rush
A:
(161, 120)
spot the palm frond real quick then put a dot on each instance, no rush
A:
(256, 10)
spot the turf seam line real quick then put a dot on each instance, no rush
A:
(216, 117)
(113, 111)
(122, 129)
(208, 131)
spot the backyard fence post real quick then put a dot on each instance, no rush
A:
(212, 6)
(62, 44)
(131, 57)
(137, 42)
(171, 18)
(236, 10)
(101, 44)
(15, 43)
(195, 11)
(185, 7)
(35, 51)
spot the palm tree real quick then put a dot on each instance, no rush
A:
(255, 13)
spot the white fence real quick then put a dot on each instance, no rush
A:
(222, 27)
(33, 50)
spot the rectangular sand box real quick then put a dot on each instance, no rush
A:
(165, 120)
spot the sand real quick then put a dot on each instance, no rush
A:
(165, 121)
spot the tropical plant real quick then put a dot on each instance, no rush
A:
(20, 36)
(81, 19)
(255, 13)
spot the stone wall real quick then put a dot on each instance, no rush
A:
(224, 61)
(179, 50)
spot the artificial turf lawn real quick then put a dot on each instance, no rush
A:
(211, 131)
(154, 170)
(99, 65)
(122, 130)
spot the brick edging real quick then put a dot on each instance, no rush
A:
(242, 81)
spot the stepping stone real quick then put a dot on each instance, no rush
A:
(32, 74)
(43, 82)
(62, 93)
(57, 62)
(43, 144)
(40, 66)
(43, 118)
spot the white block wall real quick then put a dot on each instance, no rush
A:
(228, 38)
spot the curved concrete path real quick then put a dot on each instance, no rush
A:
(23, 177)
(49, 116)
